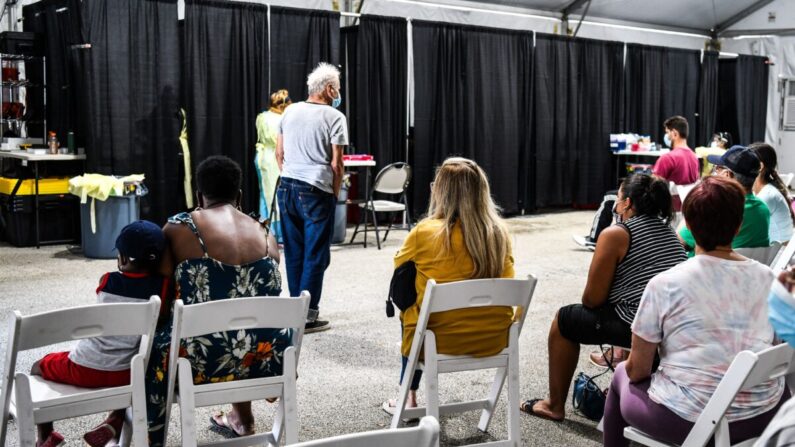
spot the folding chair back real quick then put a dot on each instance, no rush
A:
(46, 401)
(231, 315)
(784, 256)
(426, 434)
(747, 370)
(764, 255)
(515, 293)
(683, 190)
(787, 178)
(393, 179)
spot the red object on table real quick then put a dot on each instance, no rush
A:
(357, 157)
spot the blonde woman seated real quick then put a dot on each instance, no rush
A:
(698, 315)
(463, 237)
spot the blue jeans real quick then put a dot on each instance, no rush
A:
(307, 218)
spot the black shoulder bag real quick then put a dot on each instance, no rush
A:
(402, 292)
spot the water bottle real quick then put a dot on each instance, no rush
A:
(52, 142)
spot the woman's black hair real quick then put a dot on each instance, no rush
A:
(218, 178)
(650, 196)
(767, 155)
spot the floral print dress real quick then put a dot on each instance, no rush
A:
(223, 356)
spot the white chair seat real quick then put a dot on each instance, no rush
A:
(384, 206)
(45, 394)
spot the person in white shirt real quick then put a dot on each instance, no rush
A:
(769, 188)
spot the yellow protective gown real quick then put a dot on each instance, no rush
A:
(265, 161)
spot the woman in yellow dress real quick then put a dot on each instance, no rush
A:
(265, 159)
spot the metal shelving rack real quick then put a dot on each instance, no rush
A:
(13, 87)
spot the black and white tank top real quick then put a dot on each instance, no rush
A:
(653, 248)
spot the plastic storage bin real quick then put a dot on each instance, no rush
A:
(340, 217)
(110, 217)
(58, 219)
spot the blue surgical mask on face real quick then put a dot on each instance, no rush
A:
(667, 140)
(781, 312)
(337, 101)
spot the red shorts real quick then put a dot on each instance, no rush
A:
(57, 367)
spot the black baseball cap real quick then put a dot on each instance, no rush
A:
(739, 159)
(141, 240)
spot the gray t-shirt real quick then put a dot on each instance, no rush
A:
(308, 131)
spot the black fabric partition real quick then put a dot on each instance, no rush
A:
(471, 100)
(60, 23)
(133, 86)
(576, 105)
(660, 82)
(381, 91)
(300, 39)
(226, 51)
(707, 99)
(742, 103)
(348, 58)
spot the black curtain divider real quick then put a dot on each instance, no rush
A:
(300, 39)
(226, 51)
(348, 59)
(470, 90)
(742, 104)
(660, 82)
(707, 99)
(60, 24)
(133, 85)
(381, 91)
(576, 105)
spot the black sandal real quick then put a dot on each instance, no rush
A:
(527, 407)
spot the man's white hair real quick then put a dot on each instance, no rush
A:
(322, 76)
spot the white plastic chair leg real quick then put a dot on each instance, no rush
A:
(514, 424)
(289, 393)
(25, 425)
(494, 396)
(431, 374)
(139, 424)
(186, 403)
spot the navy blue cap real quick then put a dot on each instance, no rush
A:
(739, 159)
(141, 240)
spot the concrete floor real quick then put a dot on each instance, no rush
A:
(348, 371)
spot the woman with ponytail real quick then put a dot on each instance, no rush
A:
(628, 254)
(769, 188)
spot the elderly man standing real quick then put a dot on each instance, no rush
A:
(312, 134)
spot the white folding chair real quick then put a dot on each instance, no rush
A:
(232, 315)
(747, 370)
(784, 256)
(764, 255)
(394, 179)
(476, 293)
(38, 401)
(426, 434)
(683, 190)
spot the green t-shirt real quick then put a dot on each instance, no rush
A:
(753, 232)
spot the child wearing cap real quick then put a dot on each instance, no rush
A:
(105, 361)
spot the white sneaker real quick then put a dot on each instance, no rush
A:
(584, 241)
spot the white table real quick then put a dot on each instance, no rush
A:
(28, 157)
(366, 164)
(649, 154)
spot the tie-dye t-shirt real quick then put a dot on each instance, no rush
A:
(703, 312)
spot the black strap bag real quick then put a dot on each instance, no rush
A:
(402, 292)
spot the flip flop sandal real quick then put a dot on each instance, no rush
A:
(100, 435)
(527, 407)
(225, 428)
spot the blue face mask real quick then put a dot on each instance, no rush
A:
(337, 101)
(781, 312)
(667, 140)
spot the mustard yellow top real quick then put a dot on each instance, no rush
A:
(477, 332)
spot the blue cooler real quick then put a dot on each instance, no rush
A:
(110, 217)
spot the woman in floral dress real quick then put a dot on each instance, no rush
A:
(217, 252)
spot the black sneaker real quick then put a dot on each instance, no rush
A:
(316, 326)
